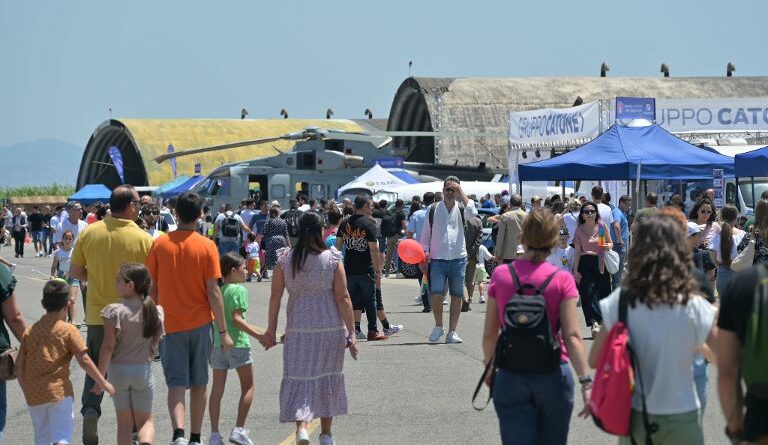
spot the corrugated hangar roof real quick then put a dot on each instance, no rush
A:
(141, 140)
(481, 106)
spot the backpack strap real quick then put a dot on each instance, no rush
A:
(515, 279)
(546, 282)
(649, 427)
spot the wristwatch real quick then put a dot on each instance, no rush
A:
(583, 380)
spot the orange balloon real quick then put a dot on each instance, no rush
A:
(410, 251)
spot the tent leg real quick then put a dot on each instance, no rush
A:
(520, 186)
(754, 198)
(736, 198)
(565, 198)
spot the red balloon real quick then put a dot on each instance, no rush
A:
(410, 251)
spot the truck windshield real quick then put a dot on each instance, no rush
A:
(746, 192)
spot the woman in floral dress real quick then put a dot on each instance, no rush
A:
(275, 236)
(318, 330)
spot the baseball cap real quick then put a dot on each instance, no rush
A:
(564, 231)
(275, 203)
(693, 228)
(535, 199)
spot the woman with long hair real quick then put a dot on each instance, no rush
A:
(535, 408)
(723, 247)
(703, 213)
(591, 240)
(758, 233)
(275, 237)
(319, 328)
(669, 321)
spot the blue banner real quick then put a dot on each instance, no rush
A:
(390, 162)
(117, 161)
(198, 168)
(628, 108)
(173, 160)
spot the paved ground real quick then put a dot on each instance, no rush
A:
(402, 391)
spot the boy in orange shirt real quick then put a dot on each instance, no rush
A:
(42, 367)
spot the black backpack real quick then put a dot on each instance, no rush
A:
(388, 224)
(230, 226)
(292, 221)
(527, 344)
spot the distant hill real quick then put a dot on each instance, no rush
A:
(40, 162)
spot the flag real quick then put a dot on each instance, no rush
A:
(173, 160)
(117, 161)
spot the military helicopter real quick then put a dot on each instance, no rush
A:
(321, 161)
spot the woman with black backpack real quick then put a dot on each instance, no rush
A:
(533, 386)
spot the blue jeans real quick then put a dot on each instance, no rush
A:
(622, 251)
(534, 409)
(700, 367)
(724, 275)
(3, 408)
(227, 246)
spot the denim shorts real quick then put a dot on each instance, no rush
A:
(37, 235)
(451, 271)
(233, 359)
(185, 357)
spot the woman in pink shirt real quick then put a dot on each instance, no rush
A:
(535, 407)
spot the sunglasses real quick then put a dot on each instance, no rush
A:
(589, 212)
(705, 211)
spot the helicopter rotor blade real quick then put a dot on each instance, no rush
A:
(376, 140)
(193, 151)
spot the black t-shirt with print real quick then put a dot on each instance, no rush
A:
(736, 303)
(357, 232)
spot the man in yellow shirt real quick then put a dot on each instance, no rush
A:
(100, 251)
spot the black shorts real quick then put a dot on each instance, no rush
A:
(362, 290)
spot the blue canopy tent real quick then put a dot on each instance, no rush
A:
(617, 153)
(91, 193)
(170, 184)
(750, 164)
(183, 187)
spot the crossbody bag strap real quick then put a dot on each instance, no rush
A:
(488, 368)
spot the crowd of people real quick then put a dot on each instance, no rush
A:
(153, 293)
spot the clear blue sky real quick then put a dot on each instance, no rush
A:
(63, 64)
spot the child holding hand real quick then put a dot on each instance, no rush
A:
(42, 367)
(233, 272)
(132, 332)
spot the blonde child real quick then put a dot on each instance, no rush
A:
(132, 332)
(562, 255)
(252, 251)
(233, 272)
(42, 367)
(481, 276)
(60, 269)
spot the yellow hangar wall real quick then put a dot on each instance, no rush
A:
(141, 140)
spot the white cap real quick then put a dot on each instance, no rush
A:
(693, 228)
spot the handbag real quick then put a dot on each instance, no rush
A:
(611, 259)
(8, 364)
(745, 258)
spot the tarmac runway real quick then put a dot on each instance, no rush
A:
(401, 391)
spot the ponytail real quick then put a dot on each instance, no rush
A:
(728, 214)
(151, 324)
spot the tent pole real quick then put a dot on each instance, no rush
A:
(754, 199)
(736, 198)
(562, 183)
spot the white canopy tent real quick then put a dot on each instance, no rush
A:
(375, 179)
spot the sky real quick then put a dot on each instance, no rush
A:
(64, 64)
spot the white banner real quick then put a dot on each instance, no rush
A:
(720, 114)
(555, 126)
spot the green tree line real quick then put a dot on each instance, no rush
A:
(36, 190)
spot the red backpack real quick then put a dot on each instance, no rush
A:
(611, 401)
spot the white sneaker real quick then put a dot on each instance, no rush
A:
(418, 299)
(398, 275)
(215, 439)
(239, 436)
(326, 440)
(482, 299)
(180, 441)
(360, 336)
(393, 329)
(437, 332)
(452, 337)
(445, 301)
(302, 438)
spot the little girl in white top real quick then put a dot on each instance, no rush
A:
(132, 332)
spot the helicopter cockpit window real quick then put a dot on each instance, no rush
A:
(219, 187)
(334, 145)
(318, 191)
